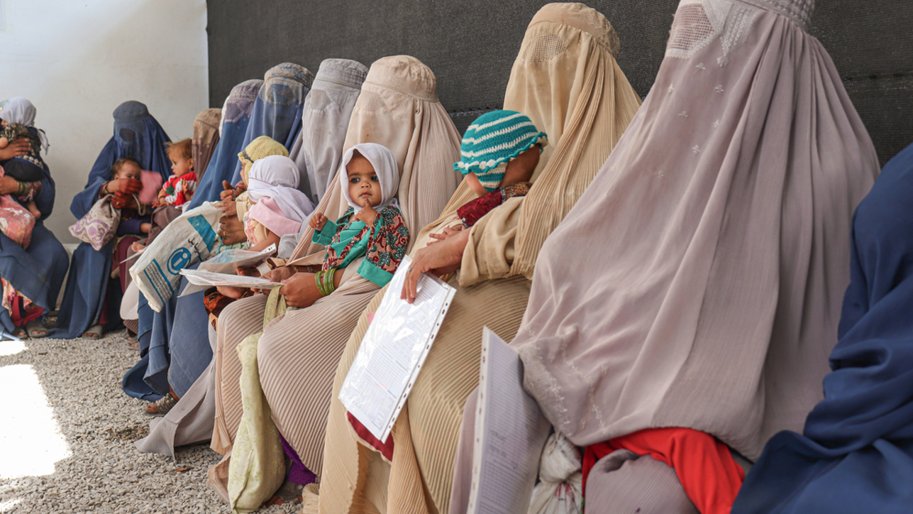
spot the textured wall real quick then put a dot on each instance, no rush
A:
(76, 61)
(471, 44)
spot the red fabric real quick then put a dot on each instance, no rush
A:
(24, 312)
(709, 475)
(473, 210)
(385, 449)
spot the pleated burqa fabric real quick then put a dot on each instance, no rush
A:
(324, 122)
(566, 79)
(277, 109)
(205, 138)
(697, 283)
(298, 354)
(235, 117)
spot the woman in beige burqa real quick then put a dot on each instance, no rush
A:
(298, 354)
(567, 81)
(699, 322)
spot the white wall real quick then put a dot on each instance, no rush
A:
(76, 60)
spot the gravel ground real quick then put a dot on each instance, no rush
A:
(104, 472)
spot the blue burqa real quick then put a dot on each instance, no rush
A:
(38, 271)
(148, 378)
(235, 116)
(136, 135)
(856, 451)
(277, 110)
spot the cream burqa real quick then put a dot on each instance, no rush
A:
(698, 281)
(567, 81)
(298, 354)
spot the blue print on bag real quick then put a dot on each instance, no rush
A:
(205, 230)
(178, 260)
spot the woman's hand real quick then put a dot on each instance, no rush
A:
(300, 290)
(231, 230)
(125, 186)
(227, 192)
(9, 186)
(17, 148)
(317, 221)
(439, 258)
(280, 274)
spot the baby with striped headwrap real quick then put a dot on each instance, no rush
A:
(499, 152)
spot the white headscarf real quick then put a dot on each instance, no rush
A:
(276, 177)
(384, 164)
(19, 109)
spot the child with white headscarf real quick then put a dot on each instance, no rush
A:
(372, 226)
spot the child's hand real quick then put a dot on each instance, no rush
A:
(125, 186)
(367, 214)
(444, 234)
(145, 227)
(318, 221)
(230, 292)
(137, 247)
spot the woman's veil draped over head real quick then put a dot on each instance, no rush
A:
(235, 117)
(696, 282)
(277, 109)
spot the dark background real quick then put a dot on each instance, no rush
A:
(471, 45)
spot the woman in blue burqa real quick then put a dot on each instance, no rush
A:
(33, 275)
(856, 451)
(276, 113)
(91, 301)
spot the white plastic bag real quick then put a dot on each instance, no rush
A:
(559, 490)
(190, 238)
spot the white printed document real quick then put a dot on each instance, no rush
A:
(224, 263)
(208, 279)
(393, 350)
(510, 433)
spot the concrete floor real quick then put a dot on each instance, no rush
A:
(67, 432)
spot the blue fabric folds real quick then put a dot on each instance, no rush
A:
(856, 451)
(235, 117)
(277, 110)
(136, 135)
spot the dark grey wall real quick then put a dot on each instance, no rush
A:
(471, 44)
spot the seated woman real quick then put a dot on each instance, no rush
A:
(91, 302)
(855, 453)
(148, 378)
(495, 258)
(319, 148)
(397, 108)
(672, 357)
(30, 277)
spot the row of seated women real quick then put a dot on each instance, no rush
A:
(672, 279)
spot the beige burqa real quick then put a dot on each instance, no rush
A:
(566, 79)
(698, 281)
(205, 138)
(298, 354)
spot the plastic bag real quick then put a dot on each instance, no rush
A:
(190, 238)
(560, 488)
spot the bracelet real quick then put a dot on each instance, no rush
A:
(326, 281)
(22, 188)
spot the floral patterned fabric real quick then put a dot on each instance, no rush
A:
(473, 210)
(382, 245)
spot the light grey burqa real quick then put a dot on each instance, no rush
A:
(697, 283)
(324, 121)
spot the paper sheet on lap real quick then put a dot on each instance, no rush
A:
(393, 350)
(510, 433)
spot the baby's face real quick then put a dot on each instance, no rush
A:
(364, 185)
(129, 170)
(522, 167)
(180, 165)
